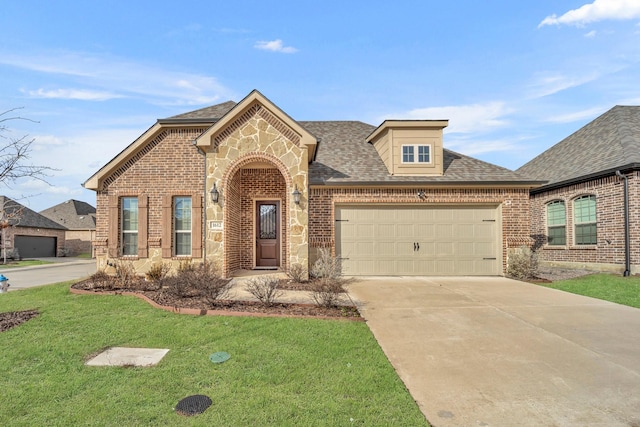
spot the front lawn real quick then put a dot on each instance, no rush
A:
(609, 287)
(282, 372)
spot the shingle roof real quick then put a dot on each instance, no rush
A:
(72, 214)
(609, 142)
(27, 218)
(212, 113)
(344, 156)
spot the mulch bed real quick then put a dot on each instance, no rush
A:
(196, 305)
(15, 318)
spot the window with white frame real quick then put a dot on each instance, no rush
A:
(129, 226)
(556, 223)
(584, 219)
(182, 226)
(416, 154)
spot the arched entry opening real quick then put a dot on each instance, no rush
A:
(256, 215)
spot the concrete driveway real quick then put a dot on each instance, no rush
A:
(491, 351)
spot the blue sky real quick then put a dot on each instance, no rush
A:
(512, 77)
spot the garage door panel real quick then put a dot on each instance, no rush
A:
(453, 240)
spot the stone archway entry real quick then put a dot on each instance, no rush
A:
(267, 234)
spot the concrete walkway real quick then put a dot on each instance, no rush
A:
(498, 352)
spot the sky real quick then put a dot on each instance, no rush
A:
(512, 77)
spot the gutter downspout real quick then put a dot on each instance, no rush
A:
(627, 249)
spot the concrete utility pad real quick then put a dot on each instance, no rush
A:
(123, 356)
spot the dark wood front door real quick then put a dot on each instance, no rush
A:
(267, 234)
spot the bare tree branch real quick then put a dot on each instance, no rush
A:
(14, 154)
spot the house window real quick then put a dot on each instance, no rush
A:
(129, 226)
(416, 154)
(584, 218)
(556, 223)
(182, 226)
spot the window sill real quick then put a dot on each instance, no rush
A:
(584, 247)
(555, 247)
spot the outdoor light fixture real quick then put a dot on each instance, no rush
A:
(215, 194)
(296, 196)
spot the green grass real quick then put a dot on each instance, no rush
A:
(23, 263)
(282, 372)
(618, 289)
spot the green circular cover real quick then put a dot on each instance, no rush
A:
(219, 357)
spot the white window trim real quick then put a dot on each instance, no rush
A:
(416, 154)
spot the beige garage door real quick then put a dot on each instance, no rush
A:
(419, 240)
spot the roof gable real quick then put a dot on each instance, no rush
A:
(609, 142)
(73, 215)
(256, 103)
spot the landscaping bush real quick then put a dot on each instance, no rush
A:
(158, 271)
(298, 273)
(101, 280)
(327, 288)
(264, 288)
(523, 264)
(125, 274)
(201, 280)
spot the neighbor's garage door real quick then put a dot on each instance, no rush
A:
(419, 240)
(35, 246)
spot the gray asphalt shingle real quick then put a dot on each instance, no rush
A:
(609, 142)
(73, 214)
(27, 218)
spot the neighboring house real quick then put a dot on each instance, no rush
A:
(32, 234)
(79, 220)
(578, 217)
(247, 187)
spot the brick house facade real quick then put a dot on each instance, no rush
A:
(245, 186)
(592, 163)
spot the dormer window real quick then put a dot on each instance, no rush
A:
(416, 154)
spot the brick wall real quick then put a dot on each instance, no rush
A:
(609, 252)
(78, 242)
(515, 209)
(168, 165)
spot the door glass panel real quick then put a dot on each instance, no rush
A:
(268, 221)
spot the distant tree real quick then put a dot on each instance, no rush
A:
(14, 164)
(14, 153)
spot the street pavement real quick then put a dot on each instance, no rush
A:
(61, 270)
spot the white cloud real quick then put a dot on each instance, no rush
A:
(599, 10)
(547, 84)
(462, 118)
(574, 116)
(591, 34)
(79, 94)
(275, 46)
(132, 79)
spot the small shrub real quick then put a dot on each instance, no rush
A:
(298, 273)
(186, 265)
(327, 292)
(125, 275)
(265, 289)
(523, 264)
(327, 266)
(101, 280)
(198, 280)
(158, 271)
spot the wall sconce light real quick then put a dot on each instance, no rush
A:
(421, 194)
(296, 196)
(215, 194)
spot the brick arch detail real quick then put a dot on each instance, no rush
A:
(228, 177)
(253, 157)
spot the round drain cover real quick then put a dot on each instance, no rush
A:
(193, 405)
(219, 357)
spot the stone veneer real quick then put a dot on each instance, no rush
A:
(255, 142)
(609, 252)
